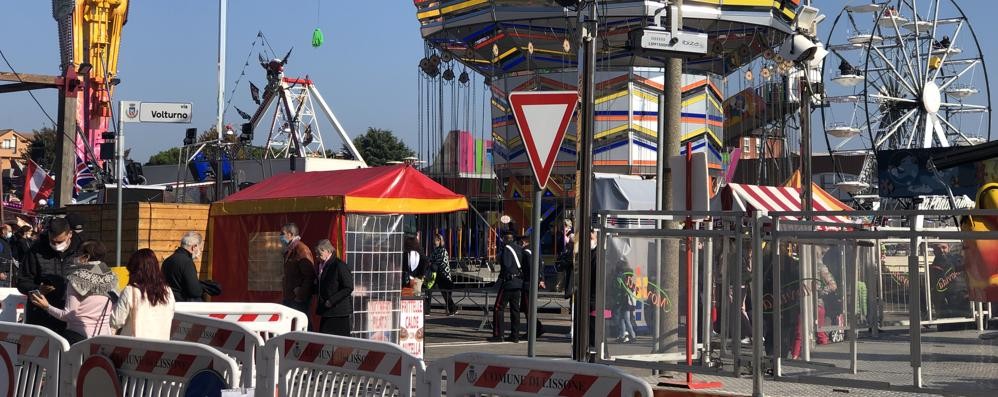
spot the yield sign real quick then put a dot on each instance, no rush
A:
(543, 118)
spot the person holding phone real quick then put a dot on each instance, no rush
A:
(44, 267)
(88, 303)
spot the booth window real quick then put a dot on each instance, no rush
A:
(266, 258)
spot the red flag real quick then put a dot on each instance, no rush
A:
(37, 185)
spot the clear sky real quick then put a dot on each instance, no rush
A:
(366, 69)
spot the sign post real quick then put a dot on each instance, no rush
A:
(140, 112)
(542, 118)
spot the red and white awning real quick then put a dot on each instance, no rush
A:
(782, 199)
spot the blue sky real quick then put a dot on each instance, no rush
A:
(366, 69)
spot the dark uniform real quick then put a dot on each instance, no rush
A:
(510, 283)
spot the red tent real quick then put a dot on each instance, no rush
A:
(243, 229)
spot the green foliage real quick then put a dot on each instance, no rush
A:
(48, 138)
(379, 147)
(169, 156)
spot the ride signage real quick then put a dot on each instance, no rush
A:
(156, 112)
(543, 118)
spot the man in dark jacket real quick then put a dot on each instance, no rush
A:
(510, 282)
(44, 268)
(179, 270)
(299, 270)
(335, 305)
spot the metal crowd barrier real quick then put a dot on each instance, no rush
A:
(734, 255)
(30, 360)
(229, 337)
(266, 319)
(313, 365)
(143, 367)
(477, 373)
(12, 305)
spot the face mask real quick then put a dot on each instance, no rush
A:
(8, 235)
(284, 240)
(61, 247)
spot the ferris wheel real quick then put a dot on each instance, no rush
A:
(901, 74)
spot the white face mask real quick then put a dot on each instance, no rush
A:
(8, 235)
(61, 247)
(592, 244)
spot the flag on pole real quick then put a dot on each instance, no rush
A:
(84, 176)
(37, 185)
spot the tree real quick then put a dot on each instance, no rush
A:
(379, 147)
(46, 136)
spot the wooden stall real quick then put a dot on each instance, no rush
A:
(158, 226)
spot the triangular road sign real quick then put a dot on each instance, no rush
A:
(543, 118)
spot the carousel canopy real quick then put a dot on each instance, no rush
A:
(395, 189)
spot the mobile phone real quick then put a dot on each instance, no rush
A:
(35, 292)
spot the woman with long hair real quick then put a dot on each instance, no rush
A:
(414, 265)
(87, 301)
(145, 307)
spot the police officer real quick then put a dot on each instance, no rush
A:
(510, 282)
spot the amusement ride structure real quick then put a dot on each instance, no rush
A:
(906, 74)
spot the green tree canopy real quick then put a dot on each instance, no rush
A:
(379, 147)
(46, 136)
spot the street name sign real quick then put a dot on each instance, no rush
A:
(543, 118)
(156, 112)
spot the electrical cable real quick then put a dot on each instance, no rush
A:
(29, 91)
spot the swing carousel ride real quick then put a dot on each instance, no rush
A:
(517, 45)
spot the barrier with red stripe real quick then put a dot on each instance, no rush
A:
(147, 366)
(34, 355)
(475, 373)
(309, 364)
(12, 305)
(229, 337)
(266, 319)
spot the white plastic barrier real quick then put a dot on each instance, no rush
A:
(141, 367)
(29, 360)
(309, 364)
(12, 305)
(491, 374)
(228, 337)
(266, 319)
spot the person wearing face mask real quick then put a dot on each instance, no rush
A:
(88, 306)
(44, 268)
(335, 288)
(299, 270)
(8, 267)
(179, 270)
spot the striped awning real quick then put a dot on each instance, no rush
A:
(782, 198)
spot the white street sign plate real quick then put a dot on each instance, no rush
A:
(156, 112)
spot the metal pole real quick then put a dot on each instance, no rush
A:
(220, 103)
(119, 145)
(757, 305)
(661, 187)
(673, 132)
(914, 305)
(535, 266)
(584, 183)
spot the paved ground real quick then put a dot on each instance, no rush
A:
(955, 362)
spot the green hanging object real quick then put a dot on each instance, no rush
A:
(317, 38)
